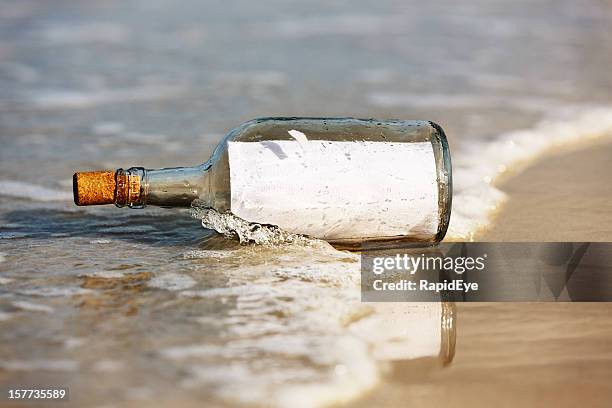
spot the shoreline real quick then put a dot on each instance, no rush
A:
(540, 193)
(552, 197)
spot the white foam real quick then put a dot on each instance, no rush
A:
(356, 374)
(305, 356)
(35, 192)
(478, 165)
(205, 254)
(100, 241)
(232, 226)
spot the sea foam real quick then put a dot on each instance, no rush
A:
(478, 165)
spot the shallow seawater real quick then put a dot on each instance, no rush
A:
(146, 307)
(187, 308)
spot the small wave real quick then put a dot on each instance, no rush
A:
(35, 192)
(247, 232)
(476, 166)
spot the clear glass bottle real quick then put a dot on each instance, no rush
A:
(402, 332)
(349, 181)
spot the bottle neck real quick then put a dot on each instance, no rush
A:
(172, 187)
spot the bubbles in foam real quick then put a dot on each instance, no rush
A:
(205, 254)
(247, 232)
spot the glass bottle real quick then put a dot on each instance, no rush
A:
(348, 181)
(403, 332)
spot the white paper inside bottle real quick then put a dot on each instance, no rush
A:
(336, 190)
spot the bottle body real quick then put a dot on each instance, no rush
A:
(340, 179)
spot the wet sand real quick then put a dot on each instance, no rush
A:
(564, 196)
(515, 354)
(530, 354)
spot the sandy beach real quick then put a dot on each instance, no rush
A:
(563, 196)
(530, 354)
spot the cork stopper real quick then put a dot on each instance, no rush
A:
(94, 187)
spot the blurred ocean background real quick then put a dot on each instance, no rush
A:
(146, 307)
